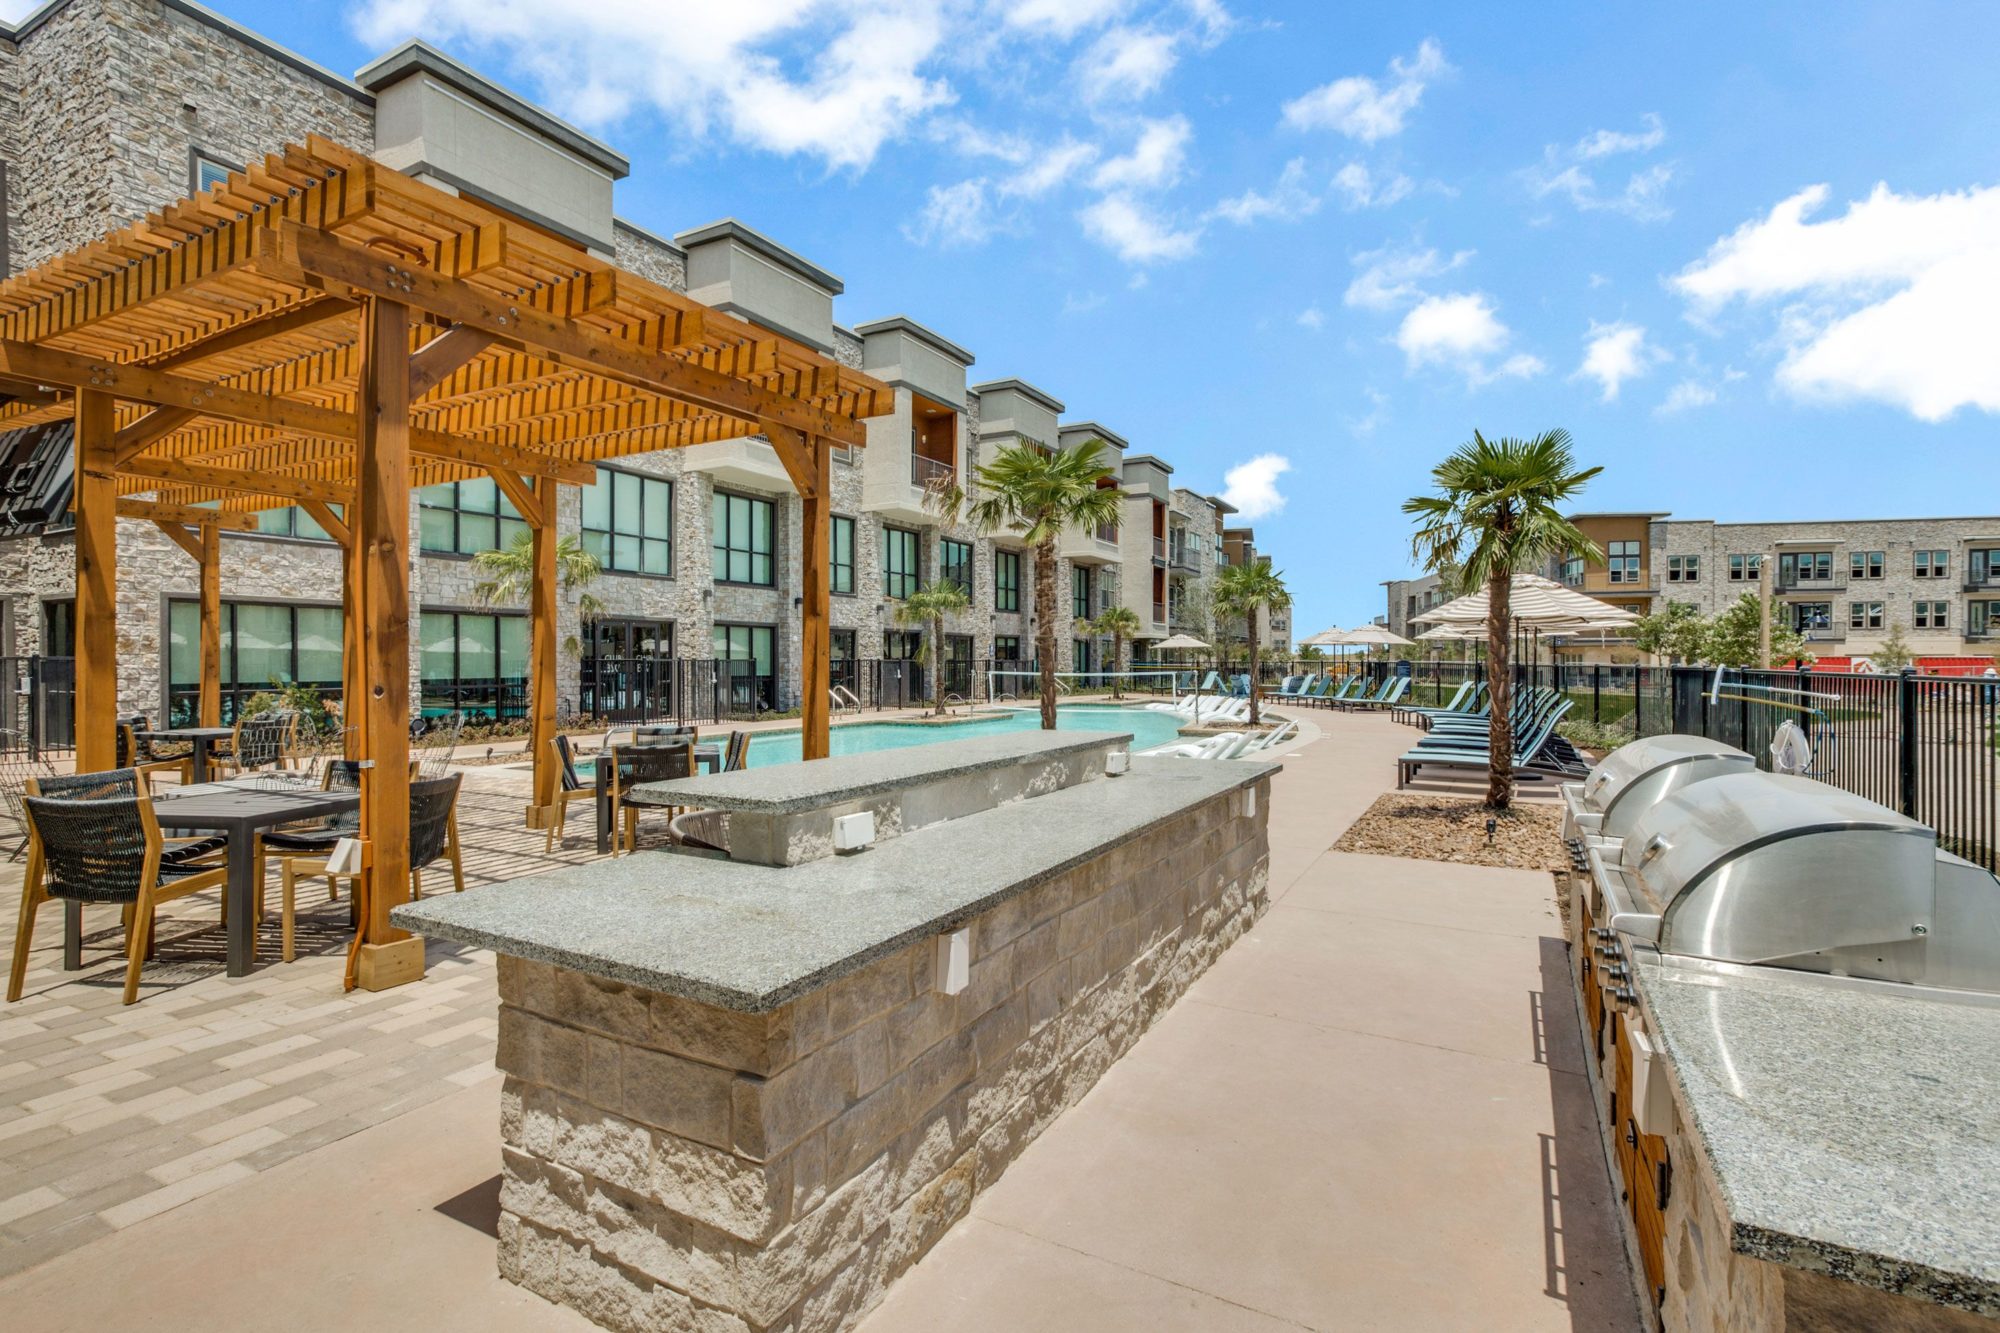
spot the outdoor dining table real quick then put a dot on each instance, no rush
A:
(203, 740)
(242, 808)
(707, 756)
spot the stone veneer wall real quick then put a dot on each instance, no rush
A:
(671, 1165)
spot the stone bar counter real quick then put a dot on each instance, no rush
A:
(1800, 1152)
(748, 1093)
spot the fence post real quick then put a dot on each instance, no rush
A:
(1597, 692)
(1906, 740)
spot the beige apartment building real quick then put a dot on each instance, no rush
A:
(111, 108)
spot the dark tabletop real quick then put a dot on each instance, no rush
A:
(188, 734)
(241, 805)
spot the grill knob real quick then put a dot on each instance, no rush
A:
(1626, 996)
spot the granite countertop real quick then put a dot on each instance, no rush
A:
(1854, 1128)
(791, 788)
(751, 937)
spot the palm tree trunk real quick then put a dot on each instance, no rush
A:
(1250, 624)
(1499, 690)
(1045, 627)
(1117, 659)
(937, 666)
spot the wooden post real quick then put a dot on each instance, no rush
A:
(380, 527)
(209, 712)
(542, 655)
(815, 637)
(96, 704)
(353, 676)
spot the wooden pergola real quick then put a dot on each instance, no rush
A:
(325, 332)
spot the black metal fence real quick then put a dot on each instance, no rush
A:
(662, 689)
(39, 710)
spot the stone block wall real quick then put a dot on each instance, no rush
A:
(672, 1165)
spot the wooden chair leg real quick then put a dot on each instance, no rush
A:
(555, 825)
(288, 880)
(24, 935)
(141, 940)
(451, 853)
(416, 884)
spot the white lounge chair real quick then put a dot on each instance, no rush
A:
(1208, 747)
(1269, 739)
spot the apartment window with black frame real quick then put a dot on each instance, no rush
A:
(1866, 564)
(752, 651)
(1006, 648)
(1079, 592)
(1933, 615)
(955, 564)
(474, 663)
(1572, 572)
(1621, 562)
(1683, 569)
(264, 645)
(744, 540)
(1931, 564)
(1007, 581)
(1864, 615)
(628, 522)
(1982, 620)
(902, 562)
(466, 517)
(1796, 567)
(293, 522)
(840, 537)
(1982, 567)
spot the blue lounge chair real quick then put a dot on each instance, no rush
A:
(1391, 694)
(1405, 712)
(1528, 748)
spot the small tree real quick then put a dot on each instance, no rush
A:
(1117, 623)
(1731, 637)
(1675, 632)
(926, 608)
(1245, 590)
(1894, 654)
(510, 577)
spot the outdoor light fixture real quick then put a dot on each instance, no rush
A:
(1492, 824)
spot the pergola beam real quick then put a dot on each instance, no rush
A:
(187, 516)
(96, 494)
(432, 363)
(295, 489)
(311, 315)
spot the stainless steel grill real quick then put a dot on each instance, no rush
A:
(1636, 777)
(1758, 868)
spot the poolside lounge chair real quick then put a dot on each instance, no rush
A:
(1472, 705)
(1403, 712)
(1391, 695)
(1528, 750)
(1363, 698)
(1225, 746)
(1269, 739)
(1299, 686)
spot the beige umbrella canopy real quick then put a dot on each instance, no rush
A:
(1178, 643)
(1536, 603)
(1326, 638)
(1374, 636)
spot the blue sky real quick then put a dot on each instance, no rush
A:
(1747, 254)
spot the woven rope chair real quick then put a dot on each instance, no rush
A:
(737, 754)
(571, 790)
(433, 745)
(135, 753)
(634, 764)
(433, 837)
(18, 764)
(265, 743)
(102, 849)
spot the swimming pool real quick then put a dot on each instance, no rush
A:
(1146, 729)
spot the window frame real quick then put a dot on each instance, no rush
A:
(613, 478)
(198, 157)
(1864, 615)
(1683, 569)
(1866, 566)
(1930, 563)
(1745, 567)
(840, 574)
(1079, 592)
(1621, 561)
(1929, 613)
(236, 692)
(1007, 591)
(722, 534)
(763, 686)
(963, 566)
(502, 514)
(898, 584)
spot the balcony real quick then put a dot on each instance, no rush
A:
(1183, 557)
(1806, 587)
(1159, 550)
(1090, 546)
(926, 473)
(1990, 583)
(1159, 613)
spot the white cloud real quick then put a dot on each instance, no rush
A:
(1461, 332)
(1378, 412)
(1361, 108)
(1288, 201)
(1053, 166)
(1212, 20)
(831, 81)
(1126, 64)
(1389, 277)
(953, 216)
(1892, 301)
(1564, 173)
(1312, 317)
(1253, 486)
(1136, 234)
(1614, 353)
(1685, 397)
(1156, 159)
(1063, 18)
(1359, 188)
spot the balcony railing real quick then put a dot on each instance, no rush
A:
(1160, 549)
(1182, 557)
(1108, 532)
(928, 472)
(1991, 583)
(1159, 613)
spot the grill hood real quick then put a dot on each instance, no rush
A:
(1635, 777)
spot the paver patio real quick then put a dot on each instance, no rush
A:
(1362, 1117)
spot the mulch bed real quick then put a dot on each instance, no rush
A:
(1433, 828)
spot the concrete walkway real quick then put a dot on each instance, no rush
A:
(1362, 1117)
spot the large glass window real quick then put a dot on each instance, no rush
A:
(1079, 591)
(902, 562)
(59, 627)
(752, 652)
(474, 663)
(1006, 648)
(955, 564)
(264, 645)
(1982, 567)
(292, 521)
(841, 566)
(1621, 560)
(1805, 567)
(628, 522)
(466, 517)
(1982, 620)
(1006, 580)
(745, 540)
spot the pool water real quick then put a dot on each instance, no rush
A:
(1146, 729)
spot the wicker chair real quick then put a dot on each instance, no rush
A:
(18, 763)
(572, 790)
(135, 753)
(737, 754)
(634, 764)
(264, 743)
(433, 745)
(306, 848)
(433, 837)
(103, 846)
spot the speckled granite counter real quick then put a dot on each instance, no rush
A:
(1854, 1131)
(750, 937)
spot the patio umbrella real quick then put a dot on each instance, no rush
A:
(1326, 638)
(1536, 603)
(1181, 643)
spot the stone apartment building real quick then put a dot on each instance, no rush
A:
(1409, 598)
(1274, 629)
(1840, 583)
(110, 108)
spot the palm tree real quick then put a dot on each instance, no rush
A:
(927, 608)
(510, 577)
(1042, 493)
(1244, 590)
(1495, 512)
(1117, 623)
